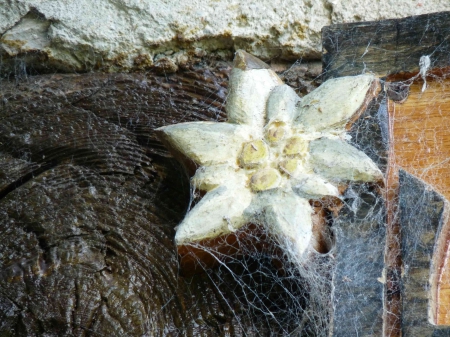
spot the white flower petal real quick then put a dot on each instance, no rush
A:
(219, 212)
(285, 215)
(313, 187)
(249, 89)
(206, 142)
(281, 104)
(207, 178)
(335, 102)
(336, 160)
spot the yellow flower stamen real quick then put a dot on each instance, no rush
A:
(265, 179)
(253, 154)
(276, 132)
(296, 145)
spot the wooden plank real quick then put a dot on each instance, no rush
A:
(89, 199)
(420, 135)
(420, 144)
(357, 279)
(422, 212)
(360, 238)
(386, 47)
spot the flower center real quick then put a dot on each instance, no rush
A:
(276, 132)
(296, 145)
(290, 165)
(253, 154)
(265, 179)
(288, 158)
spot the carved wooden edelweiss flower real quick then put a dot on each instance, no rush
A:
(274, 154)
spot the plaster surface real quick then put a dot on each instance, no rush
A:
(120, 35)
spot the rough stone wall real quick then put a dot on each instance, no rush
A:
(119, 35)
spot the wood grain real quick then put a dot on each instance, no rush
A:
(386, 47)
(89, 201)
(420, 135)
(420, 145)
(421, 212)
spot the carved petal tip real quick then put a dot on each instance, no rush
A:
(207, 178)
(205, 143)
(248, 94)
(336, 160)
(285, 215)
(245, 61)
(313, 187)
(336, 102)
(220, 212)
(281, 106)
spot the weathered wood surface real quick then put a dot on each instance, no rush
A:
(420, 133)
(386, 47)
(88, 204)
(358, 287)
(360, 239)
(89, 201)
(422, 215)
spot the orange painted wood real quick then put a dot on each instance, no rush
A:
(420, 144)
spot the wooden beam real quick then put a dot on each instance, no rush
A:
(422, 215)
(386, 47)
(360, 240)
